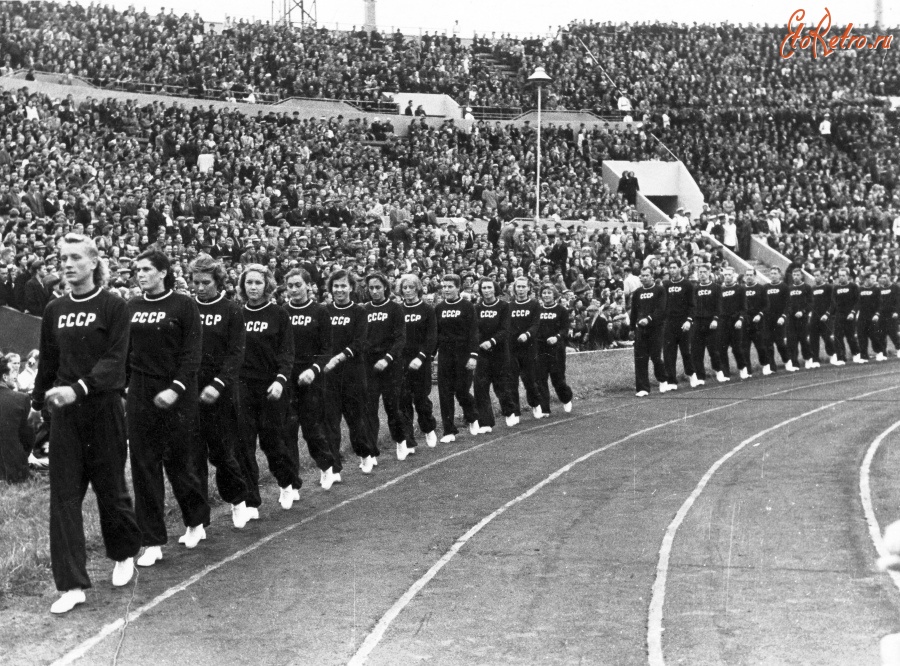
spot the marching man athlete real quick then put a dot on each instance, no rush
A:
(777, 293)
(81, 375)
(799, 306)
(677, 331)
(553, 328)
(268, 359)
(731, 324)
(386, 332)
(457, 336)
(704, 321)
(421, 339)
(867, 319)
(216, 425)
(308, 324)
(523, 323)
(493, 356)
(755, 306)
(820, 321)
(887, 315)
(648, 307)
(165, 353)
(846, 302)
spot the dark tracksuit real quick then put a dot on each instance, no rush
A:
(704, 311)
(523, 320)
(216, 425)
(756, 303)
(775, 332)
(304, 406)
(551, 358)
(822, 306)
(165, 352)
(386, 331)
(679, 296)
(493, 363)
(887, 316)
(457, 340)
(268, 358)
(799, 302)
(421, 339)
(648, 303)
(866, 329)
(731, 311)
(84, 343)
(345, 385)
(846, 303)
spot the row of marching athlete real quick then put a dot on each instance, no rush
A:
(206, 378)
(696, 318)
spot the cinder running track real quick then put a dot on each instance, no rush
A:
(622, 533)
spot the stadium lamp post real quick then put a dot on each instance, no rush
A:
(539, 79)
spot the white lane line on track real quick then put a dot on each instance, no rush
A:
(658, 597)
(375, 636)
(83, 648)
(865, 495)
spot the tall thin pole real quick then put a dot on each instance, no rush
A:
(537, 183)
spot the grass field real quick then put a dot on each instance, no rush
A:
(24, 508)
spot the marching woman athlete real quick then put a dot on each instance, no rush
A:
(268, 358)
(345, 380)
(493, 356)
(81, 375)
(164, 358)
(421, 338)
(216, 426)
(457, 336)
(386, 333)
(308, 323)
(553, 325)
(523, 323)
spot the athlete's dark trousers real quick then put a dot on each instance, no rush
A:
(493, 369)
(730, 338)
(867, 331)
(455, 382)
(162, 439)
(551, 364)
(386, 385)
(845, 330)
(755, 333)
(264, 419)
(647, 343)
(415, 393)
(345, 396)
(702, 341)
(797, 332)
(819, 329)
(887, 328)
(304, 414)
(216, 436)
(775, 339)
(89, 446)
(522, 359)
(675, 340)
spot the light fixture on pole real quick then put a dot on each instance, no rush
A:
(538, 79)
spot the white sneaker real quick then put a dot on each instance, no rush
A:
(836, 361)
(328, 478)
(641, 394)
(744, 374)
(511, 420)
(252, 513)
(809, 365)
(663, 387)
(880, 357)
(67, 601)
(720, 376)
(336, 477)
(374, 461)
(790, 367)
(694, 381)
(815, 364)
(859, 359)
(538, 412)
(366, 464)
(286, 497)
(474, 428)
(296, 494)
(673, 387)
(568, 406)
(240, 515)
(122, 572)
(193, 536)
(767, 370)
(402, 450)
(431, 439)
(151, 555)
(446, 439)
(321, 477)
(898, 353)
(483, 430)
